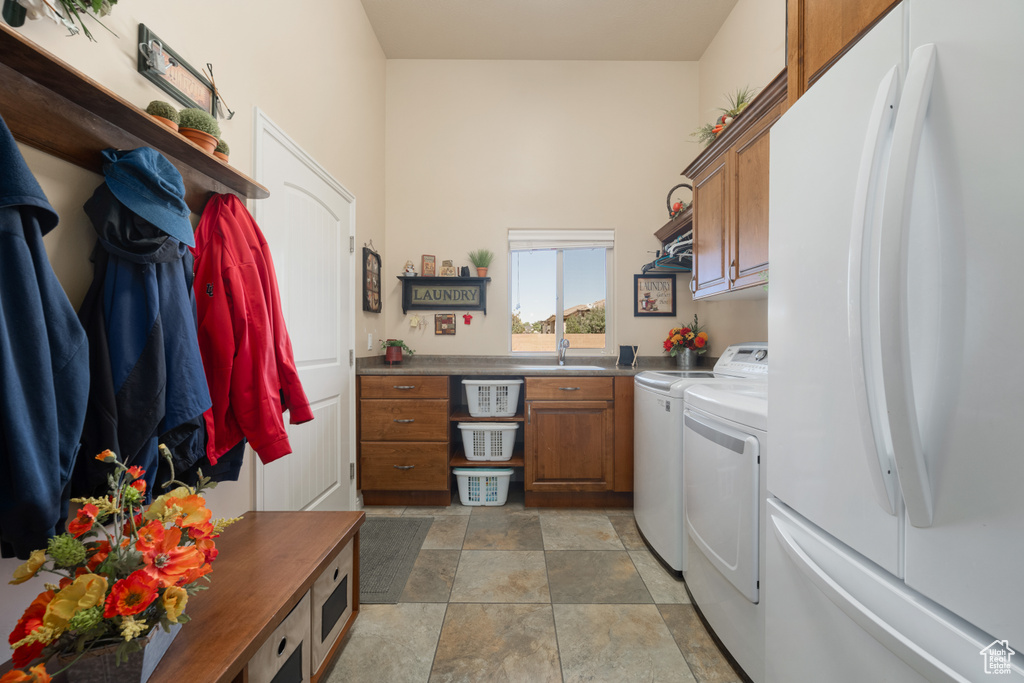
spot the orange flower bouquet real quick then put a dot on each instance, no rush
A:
(123, 571)
(691, 337)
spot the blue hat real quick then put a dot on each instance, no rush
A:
(147, 183)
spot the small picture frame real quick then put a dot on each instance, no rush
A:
(429, 265)
(447, 271)
(444, 323)
(371, 281)
(654, 295)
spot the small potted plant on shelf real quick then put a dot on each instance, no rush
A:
(125, 575)
(200, 127)
(393, 350)
(481, 259)
(164, 113)
(222, 151)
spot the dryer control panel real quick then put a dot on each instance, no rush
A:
(749, 359)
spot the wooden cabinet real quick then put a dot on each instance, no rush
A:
(403, 440)
(730, 199)
(570, 442)
(818, 32)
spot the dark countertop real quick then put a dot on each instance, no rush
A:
(522, 367)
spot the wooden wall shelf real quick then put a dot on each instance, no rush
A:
(50, 105)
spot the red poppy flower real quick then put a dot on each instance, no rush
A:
(84, 521)
(29, 622)
(135, 471)
(193, 575)
(37, 674)
(99, 550)
(208, 548)
(131, 595)
(139, 485)
(202, 530)
(165, 560)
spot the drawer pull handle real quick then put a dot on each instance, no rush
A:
(282, 646)
(406, 421)
(406, 387)
(336, 572)
(568, 388)
(403, 467)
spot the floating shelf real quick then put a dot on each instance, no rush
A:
(50, 105)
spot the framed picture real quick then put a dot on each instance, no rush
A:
(177, 78)
(447, 271)
(444, 323)
(371, 281)
(429, 269)
(654, 295)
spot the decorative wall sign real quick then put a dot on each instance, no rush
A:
(429, 267)
(371, 281)
(444, 293)
(444, 323)
(447, 268)
(173, 74)
(654, 295)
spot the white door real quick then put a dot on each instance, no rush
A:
(308, 221)
(819, 425)
(965, 241)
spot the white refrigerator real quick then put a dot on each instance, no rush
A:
(895, 534)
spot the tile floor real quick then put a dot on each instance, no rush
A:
(513, 594)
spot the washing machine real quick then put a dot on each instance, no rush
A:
(725, 433)
(658, 445)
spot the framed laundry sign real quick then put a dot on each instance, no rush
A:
(371, 281)
(444, 293)
(654, 295)
(165, 67)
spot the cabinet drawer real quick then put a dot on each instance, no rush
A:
(331, 605)
(404, 466)
(570, 388)
(403, 386)
(396, 420)
(284, 655)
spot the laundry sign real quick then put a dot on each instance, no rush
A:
(425, 293)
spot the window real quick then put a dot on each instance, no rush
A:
(559, 289)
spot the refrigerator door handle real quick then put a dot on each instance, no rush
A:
(908, 454)
(891, 635)
(867, 335)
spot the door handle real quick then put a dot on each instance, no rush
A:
(529, 414)
(405, 421)
(732, 271)
(404, 467)
(693, 284)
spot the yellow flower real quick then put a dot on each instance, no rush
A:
(174, 601)
(130, 628)
(219, 525)
(167, 507)
(88, 590)
(43, 634)
(26, 571)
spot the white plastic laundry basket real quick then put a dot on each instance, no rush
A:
(492, 398)
(482, 486)
(488, 440)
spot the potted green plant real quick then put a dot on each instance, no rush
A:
(200, 127)
(222, 151)
(481, 258)
(164, 113)
(393, 350)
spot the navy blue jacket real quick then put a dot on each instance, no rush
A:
(44, 371)
(148, 384)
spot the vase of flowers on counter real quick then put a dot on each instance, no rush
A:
(123, 577)
(686, 344)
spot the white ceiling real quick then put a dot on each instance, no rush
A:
(616, 30)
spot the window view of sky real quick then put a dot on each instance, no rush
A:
(533, 281)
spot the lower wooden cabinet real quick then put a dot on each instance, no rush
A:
(405, 466)
(569, 445)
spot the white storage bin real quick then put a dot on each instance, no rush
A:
(488, 440)
(482, 486)
(492, 397)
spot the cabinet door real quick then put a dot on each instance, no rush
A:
(748, 248)
(710, 224)
(569, 445)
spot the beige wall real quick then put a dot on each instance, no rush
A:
(749, 50)
(475, 148)
(315, 68)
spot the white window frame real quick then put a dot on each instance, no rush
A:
(558, 241)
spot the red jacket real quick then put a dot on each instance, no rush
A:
(247, 353)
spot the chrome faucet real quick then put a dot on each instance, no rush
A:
(563, 346)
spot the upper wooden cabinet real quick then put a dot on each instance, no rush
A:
(820, 31)
(730, 199)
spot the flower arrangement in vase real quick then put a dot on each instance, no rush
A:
(690, 339)
(124, 572)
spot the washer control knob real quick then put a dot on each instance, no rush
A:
(761, 355)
